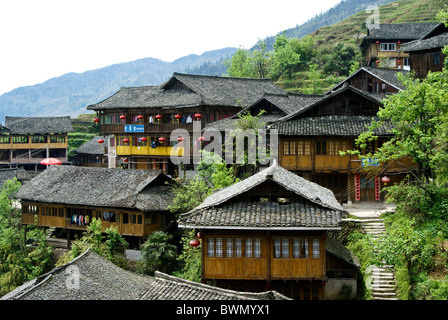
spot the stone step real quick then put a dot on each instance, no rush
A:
(383, 295)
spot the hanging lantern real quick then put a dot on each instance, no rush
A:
(198, 116)
(101, 141)
(143, 139)
(177, 116)
(385, 180)
(125, 160)
(125, 140)
(140, 117)
(180, 139)
(398, 61)
(399, 42)
(96, 120)
(377, 61)
(199, 235)
(159, 116)
(161, 139)
(195, 243)
(122, 117)
(377, 42)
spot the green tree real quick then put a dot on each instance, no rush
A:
(285, 59)
(240, 65)
(158, 253)
(189, 259)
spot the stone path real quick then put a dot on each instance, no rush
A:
(381, 279)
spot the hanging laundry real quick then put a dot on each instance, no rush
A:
(153, 144)
(151, 120)
(87, 220)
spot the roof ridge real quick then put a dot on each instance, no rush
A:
(219, 77)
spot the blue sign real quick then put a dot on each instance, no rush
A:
(134, 128)
(370, 162)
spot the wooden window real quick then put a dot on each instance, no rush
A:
(321, 148)
(388, 47)
(281, 248)
(257, 248)
(214, 247)
(303, 148)
(229, 247)
(113, 119)
(289, 148)
(150, 218)
(335, 146)
(248, 248)
(300, 248)
(316, 248)
(436, 58)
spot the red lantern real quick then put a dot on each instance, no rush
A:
(159, 116)
(198, 116)
(377, 61)
(122, 117)
(161, 139)
(201, 138)
(101, 141)
(385, 180)
(199, 235)
(399, 42)
(377, 42)
(125, 160)
(143, 139)
(195, 243)
(180, 139)
(177, 116)
(398, 61)
(96, 120)
(139, 117)
(125, 140)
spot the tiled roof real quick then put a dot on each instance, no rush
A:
(92, 146)
(400, 31)
(436, 42)
(198, 90)
(217, 210)
(344, 126)
(38, 124)
(99, 187)
(261, 215)
(100, 279)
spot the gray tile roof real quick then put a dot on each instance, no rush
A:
(400, 31)
(99, 187)
(342, 126)
(100, 279)
(389, 76)
(339, 250)
(261, 215)
(436, 42)
(27, 125)
(217, 211)
(92, 146)
(200, 90)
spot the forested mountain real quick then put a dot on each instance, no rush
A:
(71, 93)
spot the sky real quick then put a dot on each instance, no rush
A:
(42, 39)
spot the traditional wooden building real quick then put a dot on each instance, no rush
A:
(68, 198)
(26, 141)
(92, 153)
(92, 277)
(375, 80)
(380, 45)
(270, 231)
(310, 142)
(426, 53)
(140, 120)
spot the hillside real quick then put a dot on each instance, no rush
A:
(353, 29)
(71, 93)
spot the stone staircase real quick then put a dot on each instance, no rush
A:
(382, 279)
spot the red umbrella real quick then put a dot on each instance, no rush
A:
(50, 161)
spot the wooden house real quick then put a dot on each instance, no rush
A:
(270, 231)
(372, 79)
(26, 141)
(310, 142)
(380, 45)
(92, 277)
(92, 153)
(426, 53)
(68, 198)
(140, 120)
